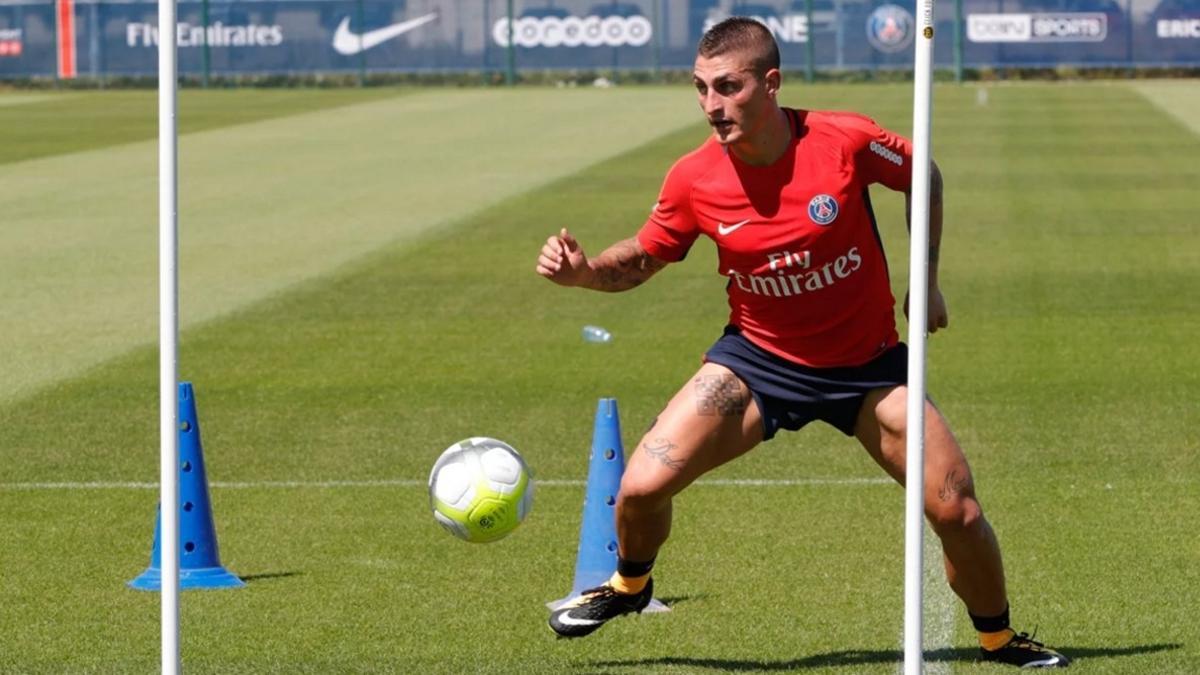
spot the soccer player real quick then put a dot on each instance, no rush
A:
(784, 195)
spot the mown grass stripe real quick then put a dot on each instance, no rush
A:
(1178, 98)
(57, 123)
(268, 205)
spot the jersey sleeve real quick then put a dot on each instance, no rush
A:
(879, 155)
(671, 229)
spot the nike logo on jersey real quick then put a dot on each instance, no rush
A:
(347, 43)
(723, 229)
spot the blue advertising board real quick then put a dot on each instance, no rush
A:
(230, 37)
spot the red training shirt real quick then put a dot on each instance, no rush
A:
(808, 279)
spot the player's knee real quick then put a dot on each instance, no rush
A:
(641, 493)
(959, 513)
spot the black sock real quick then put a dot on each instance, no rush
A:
(632, 569)
(990, 624)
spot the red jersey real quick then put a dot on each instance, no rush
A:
(808, 279)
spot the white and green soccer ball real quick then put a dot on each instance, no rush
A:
(480, 489)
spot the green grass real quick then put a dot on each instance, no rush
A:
(44, 125)
(1069, 374)
(269, 203)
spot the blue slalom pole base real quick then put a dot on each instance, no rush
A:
(197, 578)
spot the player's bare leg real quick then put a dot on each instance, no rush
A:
(710, 421)
(971, 553)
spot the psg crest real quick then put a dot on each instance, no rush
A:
(823, 209)
(890, 28)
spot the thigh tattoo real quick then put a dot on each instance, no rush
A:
(660, 449)
(720, 395)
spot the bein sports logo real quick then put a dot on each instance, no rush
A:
(890, 28)
(1043, 27)
(574, 31)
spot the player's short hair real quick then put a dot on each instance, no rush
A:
(742, 34)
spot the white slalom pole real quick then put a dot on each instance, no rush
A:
(918, 312)
(168, 334)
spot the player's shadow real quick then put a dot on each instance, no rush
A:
(855, 657)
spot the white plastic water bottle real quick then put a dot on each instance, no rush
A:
(596, 334)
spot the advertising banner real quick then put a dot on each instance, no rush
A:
(102, 38)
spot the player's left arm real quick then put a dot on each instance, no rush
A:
(939, 316)
(884, 157)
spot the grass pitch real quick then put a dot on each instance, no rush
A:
(1068, 373)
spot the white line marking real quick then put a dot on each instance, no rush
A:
(402, 482)
(939, 604)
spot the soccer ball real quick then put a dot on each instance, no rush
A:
(480, 489)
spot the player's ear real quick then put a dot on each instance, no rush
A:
(773, 80)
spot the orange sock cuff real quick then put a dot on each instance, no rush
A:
(993, 641)
(628, 585)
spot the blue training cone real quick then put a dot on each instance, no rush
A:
(597, 557)
(199, 560)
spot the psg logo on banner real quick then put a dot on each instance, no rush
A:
(890, 28)
(823, 209)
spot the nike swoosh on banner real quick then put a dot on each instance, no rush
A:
(723, 229)
(566, 618)
(347, 43)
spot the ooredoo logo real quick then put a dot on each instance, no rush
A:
(575, 31)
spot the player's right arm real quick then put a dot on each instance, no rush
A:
(622, 266)
(666, 237)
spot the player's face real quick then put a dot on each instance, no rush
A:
(736, 102)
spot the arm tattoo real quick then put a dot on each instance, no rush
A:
(659, 449)
(953, 485)
(933, 254)
(720, 395)
(623, 266)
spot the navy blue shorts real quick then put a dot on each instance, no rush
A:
(790, 395)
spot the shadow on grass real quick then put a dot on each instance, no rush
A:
(263, 576)
(672, 600)
(858, 658)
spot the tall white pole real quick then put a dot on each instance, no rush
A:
(918, 312)
(168, 334)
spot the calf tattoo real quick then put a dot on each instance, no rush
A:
(659, 449)
(953, 485)
(720, 395)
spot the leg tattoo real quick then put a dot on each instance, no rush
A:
(659, 449)
(720, 395)
(953, 485)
